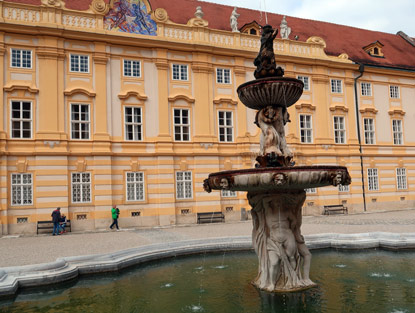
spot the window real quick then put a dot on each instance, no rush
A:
(22, 189)
(344, 188)
(369, 127)
(80, 121)
(339, 129)
(336, 86)
(366, 89)
(79, 63)
(135, 186)
(306, 81)
(21, 119)
(225, 126)
(397, 132)
(132, 68)
(306, 128)
(184, 185)
(228, 193)
(372, 174)
(179, 72)
(181, 125)
(223, 76)
(401, 178)
(81, 187)
(133, 123)
(394, 92)
(21, 58)
(310, 190)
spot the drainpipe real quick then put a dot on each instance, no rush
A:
(361, 70)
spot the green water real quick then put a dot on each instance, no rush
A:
(369, 281)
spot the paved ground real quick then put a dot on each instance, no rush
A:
(47, 248)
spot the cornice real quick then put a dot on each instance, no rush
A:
(13, 87)
(305, 106)
(368, 110)
(396, 112)
(202, 68)
(181, 97)
(70, 92)
(339, 107)
(225, 100)
(132, 93)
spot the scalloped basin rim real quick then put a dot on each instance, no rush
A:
(269, 79)
(278, 169)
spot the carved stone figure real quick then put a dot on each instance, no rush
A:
(284, 29)
(284, 259)
(234, 21)
(199, 13)
(265, 60)
(271, 120)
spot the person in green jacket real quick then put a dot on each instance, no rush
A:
(115, 212)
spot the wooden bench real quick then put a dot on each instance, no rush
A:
(49, 225)
(210, 217)
(336, 208)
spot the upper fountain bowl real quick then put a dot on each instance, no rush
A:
(270, 91)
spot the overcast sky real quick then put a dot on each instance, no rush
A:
(388, 16)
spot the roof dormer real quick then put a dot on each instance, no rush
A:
(252, 28)
(374, 49)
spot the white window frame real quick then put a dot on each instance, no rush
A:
(21, 186)
(179, 129)
(369, 130)
(180, 72)
(306, 81)
(394, 92)
(135, 125)
(225, 130)
(78, 66)
(336, 85)
(366, 89)
(20, 56)
(339, 124)
(131, 68)
(312, 190)
(306, 133)
(397, 132)
(228, 193)
(184, 185)
(135, 181)
(344, 188)
(223, 76)
(21, 120)
(401, 179)
(373, 179)
(80, 121)
(83, 186)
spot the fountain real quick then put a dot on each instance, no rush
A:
(275, 186)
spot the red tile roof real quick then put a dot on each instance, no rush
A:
(397, 51)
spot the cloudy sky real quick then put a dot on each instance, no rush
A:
(388, 16)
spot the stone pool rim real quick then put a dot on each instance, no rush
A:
(68, 268)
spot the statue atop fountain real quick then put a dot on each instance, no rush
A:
(275, 186)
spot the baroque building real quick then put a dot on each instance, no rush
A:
(133, 103)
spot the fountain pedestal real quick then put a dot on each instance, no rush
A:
(283, 257)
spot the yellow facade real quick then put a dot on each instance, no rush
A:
(54, 155)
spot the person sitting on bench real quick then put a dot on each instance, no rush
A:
(62, 224)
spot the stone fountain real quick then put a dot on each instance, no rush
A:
(275, 186)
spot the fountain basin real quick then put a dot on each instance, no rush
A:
(278, 178)
(271, 91)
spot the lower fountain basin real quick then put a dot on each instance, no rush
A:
(271, 91)
(278, 178)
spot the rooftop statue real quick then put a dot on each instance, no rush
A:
(265, 60)
(199, 13)
(285, 30)
(234, 21)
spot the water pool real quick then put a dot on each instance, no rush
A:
(363, 281)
